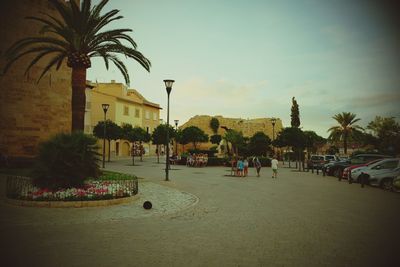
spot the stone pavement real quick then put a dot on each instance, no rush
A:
(165, 201)
(299, 219)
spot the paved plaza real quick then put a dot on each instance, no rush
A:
(204, 217)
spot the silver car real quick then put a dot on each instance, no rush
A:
(384, 179)
(375, 168)
(396, 183)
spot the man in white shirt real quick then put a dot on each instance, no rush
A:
(274, 166)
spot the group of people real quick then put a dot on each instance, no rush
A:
(241, 166)
(197, 160)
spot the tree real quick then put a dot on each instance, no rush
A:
(159, 136)
(295, 138)
(180, 138)
(78, 35)
(295, 116)
(113, 132)
(259, 144)
(214, 125)
(194, 135)
(313, 141)
(144, 137)
(133, 135)
(332, 150)
(346, 128)
(236, 139)
(215, 139)
(387, 131)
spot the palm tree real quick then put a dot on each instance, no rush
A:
(346, 128)
(76, 36)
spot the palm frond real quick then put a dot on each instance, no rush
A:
(354, 120)
(104, 20)
(109, 36)
(54, 61)
(15, 57)
(97, 8)
(122, 68)
(29, 41)
(128, 52)
(40, 56)
(64, 11)
(102, 54)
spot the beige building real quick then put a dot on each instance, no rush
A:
(127, 106)
(30, 112)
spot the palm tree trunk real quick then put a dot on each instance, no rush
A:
(78, 101)
(345, 143)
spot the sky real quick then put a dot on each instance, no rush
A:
(247, 59)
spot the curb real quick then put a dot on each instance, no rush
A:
(71, 204)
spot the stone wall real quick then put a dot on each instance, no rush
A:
(247, 126)
(30, 112)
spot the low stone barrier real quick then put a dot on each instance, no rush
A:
(71, 204)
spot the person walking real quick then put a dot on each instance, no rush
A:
(245, 167)
(274, 166)
(240, 167)
(257, 165)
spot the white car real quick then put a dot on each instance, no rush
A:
(384, 179)
(375, 168)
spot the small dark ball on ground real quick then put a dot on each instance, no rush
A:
(147, 205)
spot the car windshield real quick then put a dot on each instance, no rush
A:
(317, 158)
(372, 162)
(329, 157)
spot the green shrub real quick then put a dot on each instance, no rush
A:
(66, 160)
(108, 175)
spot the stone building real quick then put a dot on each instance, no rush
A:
(247, 126)
(30, 112)
(127, 106)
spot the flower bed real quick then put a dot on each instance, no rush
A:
(22, 188)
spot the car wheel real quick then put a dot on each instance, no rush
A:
(387, 184)
(338, 173)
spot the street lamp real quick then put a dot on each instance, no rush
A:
(176, 143)
(105, 108)
(273, 121)
(168, 87)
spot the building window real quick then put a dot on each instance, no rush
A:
(147, 115)
(137, 113)
(154, 116)
(126, 110)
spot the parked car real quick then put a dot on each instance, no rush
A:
(315, 162)
(384, 179)
(376, 168)
(347, 171)
(318, 161)
(396, 184)
(336, 168)
(330, 158)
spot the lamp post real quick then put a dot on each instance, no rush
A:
(168, 87)
(105, 108)
(176, 143)
(273, 121)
